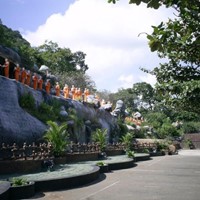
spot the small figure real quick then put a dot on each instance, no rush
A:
(66, 91)
(86, 94)
(85, 91)
(40, 83)
(76, 94)
(73, 92)
(28, 78)
(23, 75)
(6, 67)
(16, 72)
(57, 88)
(48, 86)
(79, 94)
(35, 81)
(103, 102)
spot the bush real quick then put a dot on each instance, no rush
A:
(99, 136)
(27, 101)
(127, 140)
(100, 163)
(130, 154)
(58, 136)
(18, 182)
(191, 127)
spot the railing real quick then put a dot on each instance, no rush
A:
(45, 150)
(33, 151)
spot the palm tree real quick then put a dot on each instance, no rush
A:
(57, 136)
(127, 140)
(99, 137)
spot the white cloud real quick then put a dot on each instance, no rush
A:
(108, 34)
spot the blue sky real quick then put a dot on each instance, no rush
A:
(107, 33)
(28, 14)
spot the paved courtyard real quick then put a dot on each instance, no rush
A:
(174, 177)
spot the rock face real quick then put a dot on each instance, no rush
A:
(16, 125)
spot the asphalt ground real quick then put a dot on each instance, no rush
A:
(175, 177)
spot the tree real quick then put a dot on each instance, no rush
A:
(60, 59)
(145, 95)
(18, 44)
(127, 96)
(177, 40)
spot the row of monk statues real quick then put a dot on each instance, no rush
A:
(37, 83)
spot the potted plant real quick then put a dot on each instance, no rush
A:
(21, 188)
(103, 166)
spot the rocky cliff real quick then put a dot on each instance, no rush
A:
(16, 125)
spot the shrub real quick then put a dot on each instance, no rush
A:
(58, 137)
(99, 136)
(18, 182)
(127, 140)
(130, 154)
(27, 101)
(100, 163)
(191, 127)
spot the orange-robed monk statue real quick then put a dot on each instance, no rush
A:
(35, 81)
(86, 94)
(48, 86)
(57, 88)
(79, 94)
(16, 72)
(6, 67)
(40, 83)
(66, 91)
(23, 75)
(28, 78)
(73, 92)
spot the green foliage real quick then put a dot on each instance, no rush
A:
(187, 116)
(60, 59)
(58, 137)
(161, 145)
(99, 136)
(178, 41)
(100, 163)
(127, 140)
(145, 150)
(187, 143)
(127, 96)
(27, 101)
(130, 154)
(44, 112)
(16, 42)
(145, 95)
(78, 122)
(156, 119)
(167, 130)
(19, 182)
(191, 127)
(122, 127)
(140, 133)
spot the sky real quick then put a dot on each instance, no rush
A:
(109, 34)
